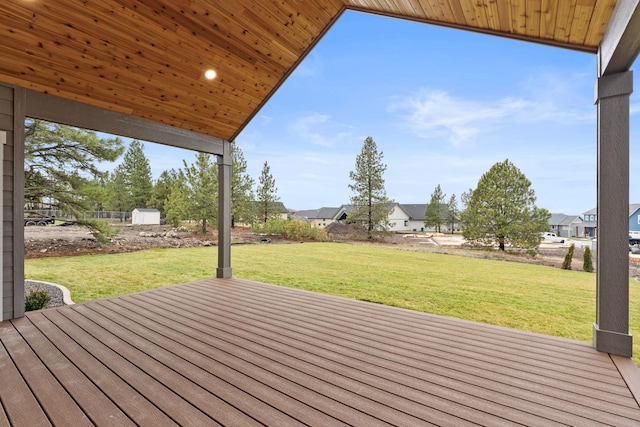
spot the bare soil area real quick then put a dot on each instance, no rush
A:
(54, 240)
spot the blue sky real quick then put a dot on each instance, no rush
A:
(443, 106)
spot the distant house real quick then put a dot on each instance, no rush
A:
(591, 220)
(566, 225)
(141, 216)
(317, 217)
(416, 216)
(402, 217)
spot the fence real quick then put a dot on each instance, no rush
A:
(112, 216)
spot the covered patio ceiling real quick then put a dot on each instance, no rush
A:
(147, 58)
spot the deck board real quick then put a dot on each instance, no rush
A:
(236, 352)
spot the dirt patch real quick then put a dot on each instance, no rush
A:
(52, 240)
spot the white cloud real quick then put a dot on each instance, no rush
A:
(437, 114)
(318, 129)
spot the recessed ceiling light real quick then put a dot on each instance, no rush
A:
(210, 74)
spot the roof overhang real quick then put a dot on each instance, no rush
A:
(147, 58)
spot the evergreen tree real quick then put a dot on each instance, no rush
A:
(201, 190)
(452, 212)
(162, 189)
(502, 210)
(135, 174)
(241, 189)
(587, 261)
(119, 200)
(175, 207)
(568, 258)
(267, 195)
(433, 215)
(61, 169)
(370, 197)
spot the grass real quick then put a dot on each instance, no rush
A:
(528, 297)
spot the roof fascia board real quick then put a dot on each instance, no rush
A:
(621, 42)
(55, 109)
(487, 31)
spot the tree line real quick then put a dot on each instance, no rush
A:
(500, 211)
(62, 171)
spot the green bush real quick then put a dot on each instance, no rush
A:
(291, 229)
(36, 299)
(587, 262)
(566, 264)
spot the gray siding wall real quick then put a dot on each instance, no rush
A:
(12, 122)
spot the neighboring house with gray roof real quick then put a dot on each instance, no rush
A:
(566, 225)
(591, 220)
(317, 217)
(402, 217)
(416, 216)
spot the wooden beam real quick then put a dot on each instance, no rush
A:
(621, 42)
(52, 108)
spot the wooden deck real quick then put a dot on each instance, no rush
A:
(240, 353)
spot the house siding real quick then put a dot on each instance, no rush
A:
(398, 219)
(634, 221)
(12, 122)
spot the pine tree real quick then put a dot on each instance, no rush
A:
(369, 200)
(452, 212)
(587, 261)
(61, 165)
(241, 189)
(502, 210)
(176, 204)
(61, 169)
(135, 174)
(568, 258)
(433, 215)
(267, 195)
(201, 179)
(162, 189)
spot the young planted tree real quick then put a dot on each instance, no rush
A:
(267, 202)
(502, 211)
(61, 168)
(135, 174)
(434, 215)
(587, 260)
(241, 189)
(568, 258)
(370, 200)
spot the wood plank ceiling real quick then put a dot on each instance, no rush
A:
(147, 58)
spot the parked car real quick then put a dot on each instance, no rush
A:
(34, 218)
(551, 237)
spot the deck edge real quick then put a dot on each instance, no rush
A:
(630, 374)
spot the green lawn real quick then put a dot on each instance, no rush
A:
(523, 296)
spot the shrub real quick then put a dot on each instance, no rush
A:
(587, 262)
(291, 229)
(568, 258)
(36, 299)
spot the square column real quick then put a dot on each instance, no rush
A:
(224, 212)
(611, 330)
